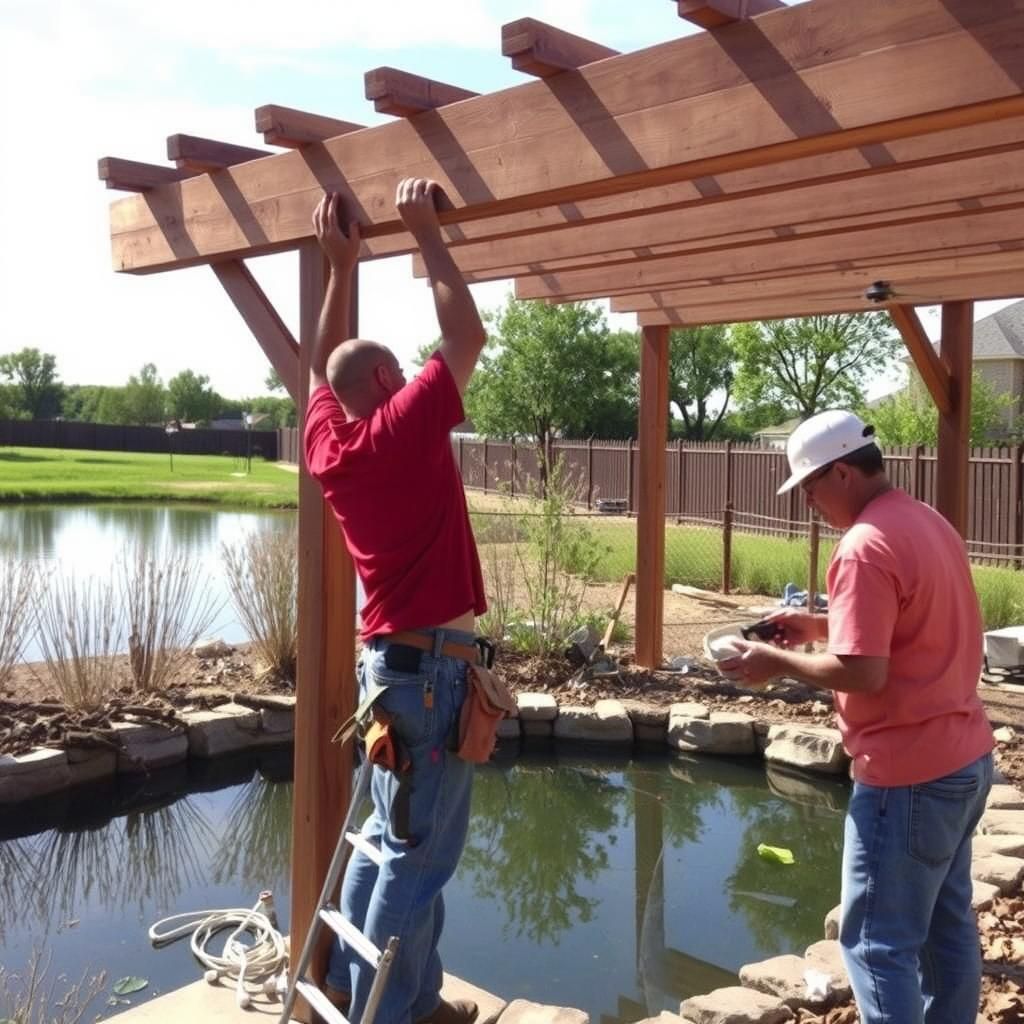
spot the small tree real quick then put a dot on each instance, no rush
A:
(700, 365)
(145, 398)
(36, 388)
(190, 398)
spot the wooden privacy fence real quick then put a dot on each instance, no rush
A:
(107, 437)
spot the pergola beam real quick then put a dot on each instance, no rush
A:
(955, 351)
(133, 176)
(934, 374)
(536, 48)
(404, 94)
(200, 156)
(716, 13)
(590, 134)
(293, 129)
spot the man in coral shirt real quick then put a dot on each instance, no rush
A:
(381, 451)
(903, 652)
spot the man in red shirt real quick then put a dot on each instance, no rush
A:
(381, 451)
(904, 647)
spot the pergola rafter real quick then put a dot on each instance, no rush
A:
(774, 165)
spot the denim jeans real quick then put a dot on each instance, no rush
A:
(419, 821)
(908, 933)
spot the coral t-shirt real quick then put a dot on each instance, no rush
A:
(899, 586)
(393, 485)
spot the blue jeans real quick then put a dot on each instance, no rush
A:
(419, 821)
(908, 933)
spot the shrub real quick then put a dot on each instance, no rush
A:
(30, 998)
(167, 609)
(18, 582)
(263, 577)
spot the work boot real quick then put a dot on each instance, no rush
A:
(337, 998)
(458, 1011)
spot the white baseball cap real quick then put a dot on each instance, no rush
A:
(823, 439)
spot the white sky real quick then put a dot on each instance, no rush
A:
(81, 79)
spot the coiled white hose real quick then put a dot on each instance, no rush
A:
(260, 963)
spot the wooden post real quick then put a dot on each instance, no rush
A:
(794, 497)
(515, 467)
(1016, 524)
(812, 567)
(728, 474)
(650, 531)
(325, 673)
(954, 426)
(590, 473)
(629, 469)
(460, 456)
(485, 465)
(727, 548)
(917, 473)
(681, 475)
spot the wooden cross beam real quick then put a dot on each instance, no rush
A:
(404, 94)
(293, 129)
(716, 13)
(536, 48)
(133, 176)
(192, 153)
(933, 373)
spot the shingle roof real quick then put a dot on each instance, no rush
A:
(1001, 334)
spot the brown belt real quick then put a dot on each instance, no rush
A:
(467, 652)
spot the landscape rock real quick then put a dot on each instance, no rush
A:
(995, 823)
(88, 764)
(490, 1006)
(982, 894)
(145, 747)
(1004, 734)
(37, 773)
(1005, 873)
(537, 707)
(785, 978)
(687, 709)
(277, 723)
(534, 729)
(722, 732)
(1005, 798)
(1007, 845)
(827, 957)
(212, 648)
(812, 748)
(735, 1005)
(522, 1011)
(229, 728)
(605, 722)
(509, 729)
(832, 919)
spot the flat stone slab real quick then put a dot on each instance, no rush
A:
(509, 729)
(90, 765)
(722, 732)
(982, 894)
(605, 722)
(230, 728)
(735, 1005)
(811, 748)
(537, 707)
(832, 921)
(522, 1011)
(278, 722)
(1005, 873)
(537, 729)
(688, 709)
(1005, 798)
(37, 773)
(200, 1003)
(664, 1018)
(491, 1006)
(827, 957)
(995, 823)
(786, 978)
(1007, 845)
(149, 746)
(642, 713)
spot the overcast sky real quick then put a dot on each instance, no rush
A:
(89, 78)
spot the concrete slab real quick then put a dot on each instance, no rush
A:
(199, 1003)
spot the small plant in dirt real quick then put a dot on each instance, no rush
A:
(31, 997)
(167, 608)
(19, 580)
(80, 630)
(263, 577)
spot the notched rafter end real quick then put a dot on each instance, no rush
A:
(293, 129)
(199, 155)
(539, 49)
(135, 176)
(404, 94)
(710, 14)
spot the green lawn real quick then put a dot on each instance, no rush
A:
(57, 474)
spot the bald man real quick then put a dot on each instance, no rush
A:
(382, 453)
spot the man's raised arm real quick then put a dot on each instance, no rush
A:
(462, 333)
(342, 251)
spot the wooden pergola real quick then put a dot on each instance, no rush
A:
(827, 157)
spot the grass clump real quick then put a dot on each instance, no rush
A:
(18, 584)
(32, 998)
(263, 577)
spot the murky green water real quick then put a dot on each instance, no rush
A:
(616, 885)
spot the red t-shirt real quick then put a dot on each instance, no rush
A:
(393, 485)
(900, 587)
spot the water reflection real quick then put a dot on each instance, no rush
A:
(259, 826)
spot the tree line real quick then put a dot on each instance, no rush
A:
(31, 388)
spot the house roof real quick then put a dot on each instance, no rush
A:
(1001, 334)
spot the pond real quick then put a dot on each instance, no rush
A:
(88, 541)
(617, 885)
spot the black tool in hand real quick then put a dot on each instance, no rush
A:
(764, 630)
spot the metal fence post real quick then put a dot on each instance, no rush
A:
(727, 548)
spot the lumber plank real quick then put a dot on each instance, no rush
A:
(996, 225)
(404, 94)
(716, 13)
(193, 153)
(812, 80)
(293, 129)
(133, 176)
(935, 376)
(951, 474)
(263, 320)
(539, 49)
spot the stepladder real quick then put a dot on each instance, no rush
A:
(328, 915)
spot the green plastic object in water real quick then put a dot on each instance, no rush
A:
(778, 854)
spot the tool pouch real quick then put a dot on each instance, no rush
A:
(383, 747)
(488, 701)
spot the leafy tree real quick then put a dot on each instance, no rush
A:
(33, 375)
(547, 370)
(190, 398)
(10, 407)
(145, 398)
(813, 363)
(700, 364)
(273, 382)
(909, 417)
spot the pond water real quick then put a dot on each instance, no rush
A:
(616, 885)
(88, 541)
